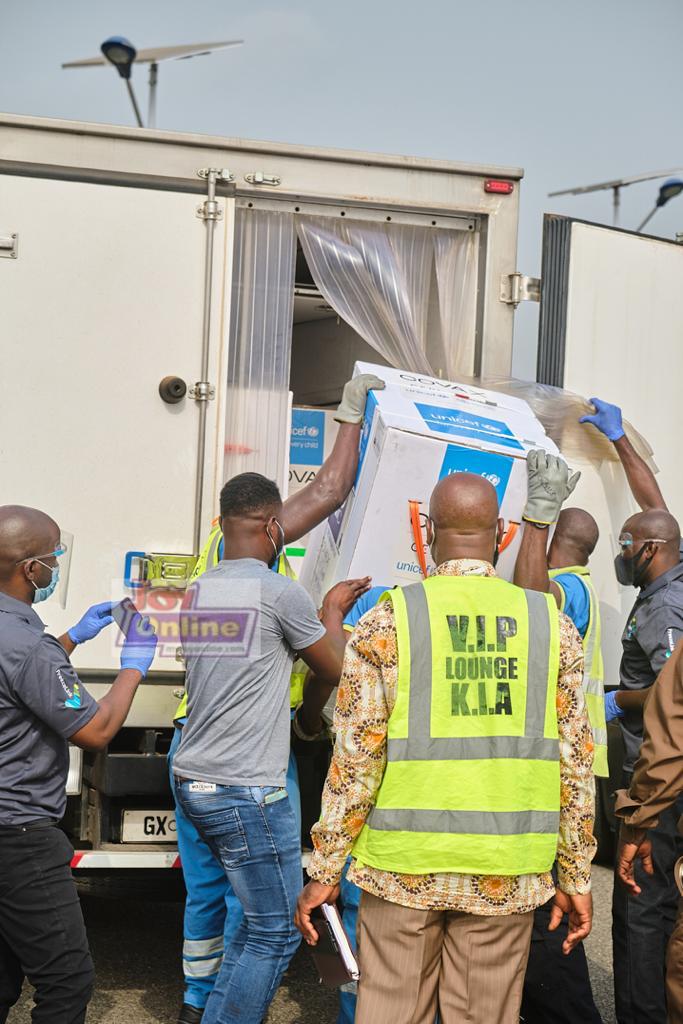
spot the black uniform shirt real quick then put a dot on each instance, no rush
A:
(42, 703)
(653, 627)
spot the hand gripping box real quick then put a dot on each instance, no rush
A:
(416, 431)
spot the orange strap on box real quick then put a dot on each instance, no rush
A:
(508, 537)
(414, 507)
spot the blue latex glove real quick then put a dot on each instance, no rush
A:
(140, 644)
(612, 709)
(607, 418)
(95, 619)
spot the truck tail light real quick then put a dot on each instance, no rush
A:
(503, 188)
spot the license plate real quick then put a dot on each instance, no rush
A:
(148, 827)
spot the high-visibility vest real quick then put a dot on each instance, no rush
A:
(593, 671)
(209, 559)
(472, 781)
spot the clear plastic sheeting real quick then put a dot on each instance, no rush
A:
(377, 277)
(260, 344)
(559, 411)
(456, 268)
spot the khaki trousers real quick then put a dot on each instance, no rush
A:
(413, 962)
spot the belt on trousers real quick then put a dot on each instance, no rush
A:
(29, 826)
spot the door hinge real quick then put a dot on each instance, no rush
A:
(9, 246)
(259, 178)
(202, 391)
(516, 288)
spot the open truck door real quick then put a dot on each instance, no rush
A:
(611, 326)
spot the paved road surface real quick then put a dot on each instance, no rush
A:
(136, 944)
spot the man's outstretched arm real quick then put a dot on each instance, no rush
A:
(641, 479)
(334, 480)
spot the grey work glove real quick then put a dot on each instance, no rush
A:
(352, 405)
(548, 486)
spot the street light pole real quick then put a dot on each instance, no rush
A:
(152, 108)
(136, 109)
(667, 191)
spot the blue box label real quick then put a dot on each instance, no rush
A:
(466, 425)
(369, 415)
(307, 443)
(493, 467)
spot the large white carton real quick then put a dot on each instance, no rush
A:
(312, 437)
(418, 430)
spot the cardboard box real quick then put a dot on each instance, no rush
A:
(416, 431)
(312, 438)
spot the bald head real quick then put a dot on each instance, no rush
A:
(24, 532)
(464, 512)
(655, 524)
(574, 540)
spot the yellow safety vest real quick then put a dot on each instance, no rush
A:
(593, 671)
(208, 559)
(472, 782)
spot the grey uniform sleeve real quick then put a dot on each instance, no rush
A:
(660, 633)
(299, 618)
(48, 686)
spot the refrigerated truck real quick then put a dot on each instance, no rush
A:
(153, 344)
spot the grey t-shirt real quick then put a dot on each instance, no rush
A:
(42, 703)
(240, 629)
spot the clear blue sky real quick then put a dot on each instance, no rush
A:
(574, 93)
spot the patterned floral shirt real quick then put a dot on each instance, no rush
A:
(366, 697)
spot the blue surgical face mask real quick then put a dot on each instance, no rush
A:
(42, 593)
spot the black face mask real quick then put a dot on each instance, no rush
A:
(496, 555)
(630, 571)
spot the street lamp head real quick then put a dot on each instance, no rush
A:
(672, 187)
(121, 53)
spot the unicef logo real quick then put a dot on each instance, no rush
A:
(313, 431)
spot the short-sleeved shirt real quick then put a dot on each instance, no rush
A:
(363, 605)
(653, 627)
(577, 602)
(241, 630)
(42, 704)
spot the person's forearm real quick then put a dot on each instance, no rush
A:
(641, 479)
(658, 774)
(531, 568)
(67, 643)
(316, 696)
(576, 846)
(632, 700)
(357, 766)
(112, 712)
(330, 489)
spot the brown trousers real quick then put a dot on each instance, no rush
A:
(413, 962)
(674, 970)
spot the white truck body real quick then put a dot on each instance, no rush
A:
(109, 283)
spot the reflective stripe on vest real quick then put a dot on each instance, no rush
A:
(593, 671)
(472, 782)
(209, 559)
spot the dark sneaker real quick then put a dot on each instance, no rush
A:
(190, 1014)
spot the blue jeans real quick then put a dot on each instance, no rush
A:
(252, 831)
(212, 911)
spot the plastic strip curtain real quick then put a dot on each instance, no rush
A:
(377, 278)
(456, 267)
(260, 344)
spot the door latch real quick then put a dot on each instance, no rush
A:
(9, 246)
(259, 178)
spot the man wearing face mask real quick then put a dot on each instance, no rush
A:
(649, 559)
(231, 765)
(43, 707)
(212, 911)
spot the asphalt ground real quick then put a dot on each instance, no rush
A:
(136, 943)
